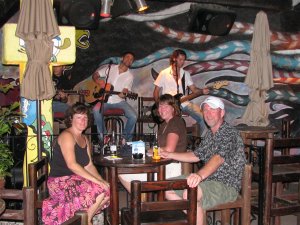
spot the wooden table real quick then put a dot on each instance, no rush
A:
(266, 134)
(125, 166)
(2, 206)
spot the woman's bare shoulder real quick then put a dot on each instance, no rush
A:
(65, 136)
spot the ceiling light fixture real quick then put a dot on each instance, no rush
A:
(141, 5)
(105, 8)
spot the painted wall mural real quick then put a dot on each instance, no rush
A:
(154, 35)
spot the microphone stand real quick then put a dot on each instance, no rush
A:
(101, 110)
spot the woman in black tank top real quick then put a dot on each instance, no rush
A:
(74, 183)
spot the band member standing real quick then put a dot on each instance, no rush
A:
(174, 80)
(121, 78)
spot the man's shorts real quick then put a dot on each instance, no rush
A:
(213, 193)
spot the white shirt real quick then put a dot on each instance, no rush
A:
(166, 81)
(117, 80)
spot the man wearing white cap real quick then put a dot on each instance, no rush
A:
(223, 157)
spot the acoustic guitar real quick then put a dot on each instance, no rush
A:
(72, 92)
(101, 91)
(180, 98)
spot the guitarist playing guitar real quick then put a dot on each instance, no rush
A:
(175, 80)
(121, 78)
(60, 82)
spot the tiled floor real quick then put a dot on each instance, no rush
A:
(285, 220)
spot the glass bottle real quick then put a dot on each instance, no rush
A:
(113, 145)
(155, 148)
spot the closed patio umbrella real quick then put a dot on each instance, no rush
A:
(259, 76)
(37, 26)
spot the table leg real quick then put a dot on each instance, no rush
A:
(161, 175)
(261, 189)
(114, 196)
(104, 174)
(268, 181)
(150, 196)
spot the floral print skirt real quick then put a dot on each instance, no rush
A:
(69, 194)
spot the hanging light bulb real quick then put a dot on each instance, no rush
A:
(105, 8)
(141, 5)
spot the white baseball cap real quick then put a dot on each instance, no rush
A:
(213, 102)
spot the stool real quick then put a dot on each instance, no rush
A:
(113, 120)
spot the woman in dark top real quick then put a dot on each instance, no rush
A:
(74, 183)
(172, 132)
(171, 138)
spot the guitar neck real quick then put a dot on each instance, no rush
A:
(112, 92)
(71, 92)
(216, 85)
(190, 96)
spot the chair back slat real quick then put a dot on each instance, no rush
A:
(26, 213)
(246, 181)
(286, 142)
(163, 186)
(13, 194)
(164, 206)
(168, 209)
(38, 176)
(286, 159)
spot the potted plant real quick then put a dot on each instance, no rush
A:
(8, 116)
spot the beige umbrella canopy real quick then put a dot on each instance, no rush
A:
(37, 26)
(259, 76)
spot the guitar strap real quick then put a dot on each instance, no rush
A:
(183, 83)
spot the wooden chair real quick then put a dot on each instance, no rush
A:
(144, 113)
(26, 213)
(80, 218)
(286, 168)
(38, 176)
(160, 212)
(242, 203)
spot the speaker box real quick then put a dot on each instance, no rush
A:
(289, 20)
(121, 7)
(215, 21)
(83, 14)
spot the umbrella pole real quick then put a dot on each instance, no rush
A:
(39, 128)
